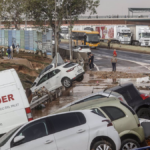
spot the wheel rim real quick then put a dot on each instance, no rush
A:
(145, 114)
(129, 146)
(66, 83)
(103, 147)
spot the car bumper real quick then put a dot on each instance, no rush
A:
(79, 75)
(113, 134)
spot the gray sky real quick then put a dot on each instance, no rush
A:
(120, 7)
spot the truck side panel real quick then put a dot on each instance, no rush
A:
(12, 101)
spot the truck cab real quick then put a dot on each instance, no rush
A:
(144, 36)
(124, 34)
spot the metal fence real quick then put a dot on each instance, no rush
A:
(113, 16)
(28, 40)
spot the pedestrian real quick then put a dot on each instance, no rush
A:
(12, 51)
(115, 53)
(92, 60)
(109, 43)
(13, 45)
(17, 48)
(9, 52)
(114, 62)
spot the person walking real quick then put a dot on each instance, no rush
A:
(9, 52)
(92, 60)
(12, 51)
(114, 62)
(17, 48)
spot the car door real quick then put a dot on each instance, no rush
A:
(44, 81)
(71, 131)
(55, 79)
(119, 119)
(37, 137)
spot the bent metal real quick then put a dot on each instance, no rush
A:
(5, 99)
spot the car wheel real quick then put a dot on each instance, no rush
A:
(102, 145)
(80, 78)
(144, 113)
(129, 144)
(67, 83)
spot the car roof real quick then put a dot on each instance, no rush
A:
(120, 86)
(82, 111)
(106, 93)
(93, 103)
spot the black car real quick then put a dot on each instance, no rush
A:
(139, 102)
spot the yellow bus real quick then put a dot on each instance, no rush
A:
(90, 38)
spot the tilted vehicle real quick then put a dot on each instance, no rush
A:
(139, 102)
(77, 130)
(122, 116)
(94, 96)
(54, 77)
(14, 105)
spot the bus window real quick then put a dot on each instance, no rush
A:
(93, 38)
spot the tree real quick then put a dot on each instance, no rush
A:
(69, 10)
(12, 10)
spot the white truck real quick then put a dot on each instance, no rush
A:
(14, 105)
(141, 35)
(115, 32)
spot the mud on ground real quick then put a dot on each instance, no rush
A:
(115, 75)
(27, 65)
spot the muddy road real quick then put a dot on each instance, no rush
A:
(93, 82)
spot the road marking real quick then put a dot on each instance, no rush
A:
(96, 67)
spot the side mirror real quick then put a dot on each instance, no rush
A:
(18, 139)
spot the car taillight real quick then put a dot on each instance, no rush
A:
(109, 123)
(139, 125)
(80, 48)
(29, 115)
(120, 99)
(144, 96)
(70, 69)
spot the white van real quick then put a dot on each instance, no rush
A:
(14, 105)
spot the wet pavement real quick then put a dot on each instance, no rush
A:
(90, 84)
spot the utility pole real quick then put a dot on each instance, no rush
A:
(56, 35)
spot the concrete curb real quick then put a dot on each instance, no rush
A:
(131, 48)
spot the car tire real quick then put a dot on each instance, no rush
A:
(101, 145)
(67, 83)
(144, 113)
(80, 78)
(129, 144)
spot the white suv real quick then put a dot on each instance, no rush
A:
(52, 78)
(77, 130)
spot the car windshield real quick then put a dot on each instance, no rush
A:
(45, 69)
(64, 31)
(7, 136)
(93, 38)
(146, 35)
